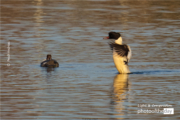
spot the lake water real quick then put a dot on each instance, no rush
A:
(87, 85)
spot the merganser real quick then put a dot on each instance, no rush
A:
(121, 52)
(49, 62)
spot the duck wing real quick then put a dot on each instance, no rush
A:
(122, 50)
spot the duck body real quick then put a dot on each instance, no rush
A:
(49, 62)
(120, 63)
(121, 53)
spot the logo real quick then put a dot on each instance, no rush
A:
(168, 111)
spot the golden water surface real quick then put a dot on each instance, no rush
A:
(86, 84)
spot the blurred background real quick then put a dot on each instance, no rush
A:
(86, 84)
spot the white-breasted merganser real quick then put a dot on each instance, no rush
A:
(49, 62)
(121, 52)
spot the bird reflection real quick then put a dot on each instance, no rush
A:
(119, 94)
(49, 70)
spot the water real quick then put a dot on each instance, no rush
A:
(86, 84)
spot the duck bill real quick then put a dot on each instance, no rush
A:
(106, 37)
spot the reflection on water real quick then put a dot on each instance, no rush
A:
(81, 87)
(38, 16)
(120, 88)
(49, 69)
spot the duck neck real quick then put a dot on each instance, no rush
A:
(119, 41)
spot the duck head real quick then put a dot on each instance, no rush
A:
(48, 57)
(116, 36)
